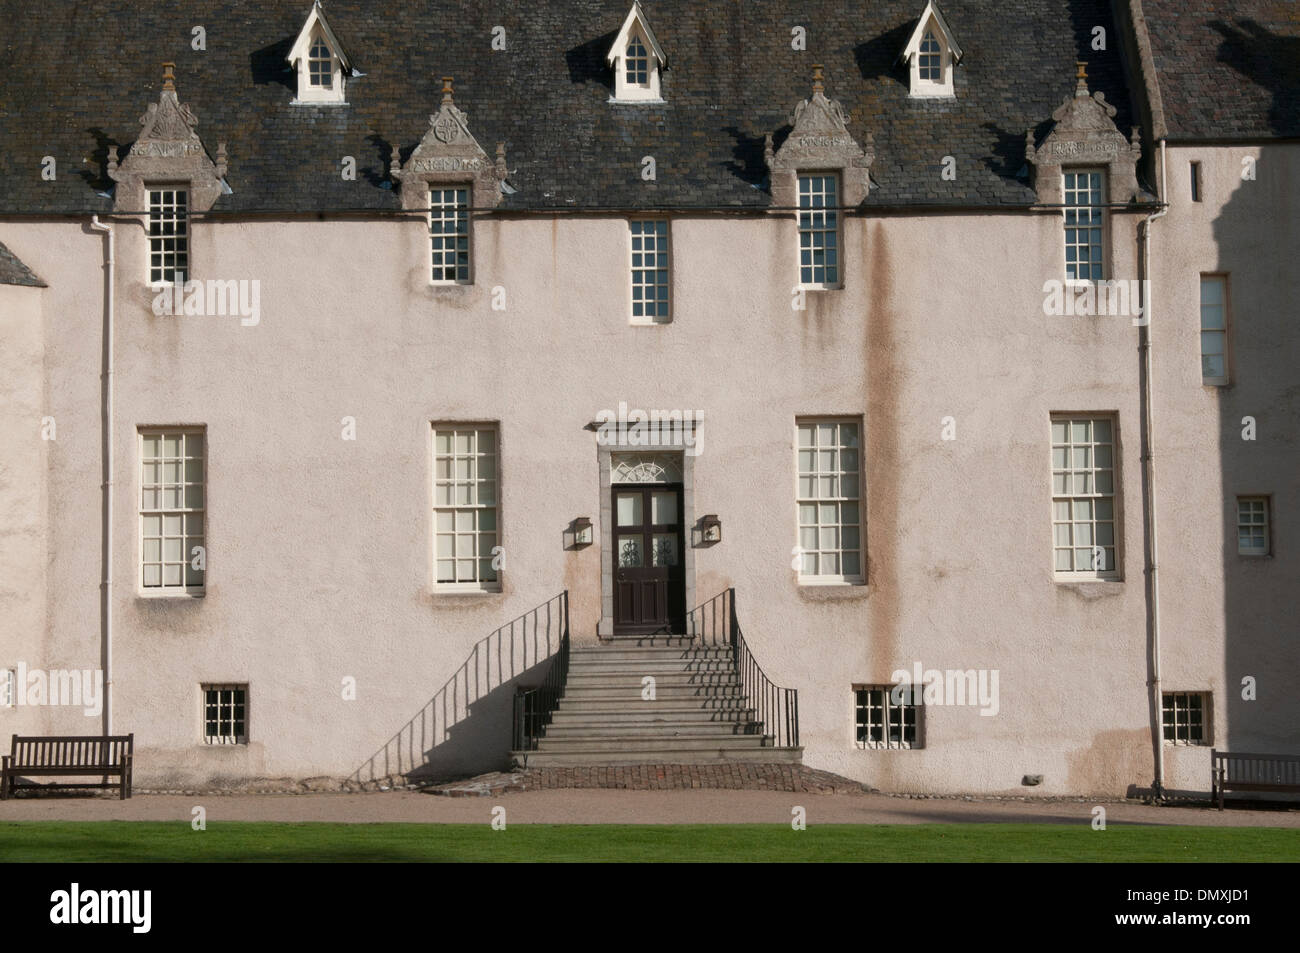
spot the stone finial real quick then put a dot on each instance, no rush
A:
(1081, 77)
(112, 160)
(819, 80)
(501, 159)
(395, 164)
(222, 160)
(446, 89)
(169, 76)
(1029, 144)
(767, 150)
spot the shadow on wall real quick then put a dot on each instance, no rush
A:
(465, 728)
(1258, 242)
(1257, 245)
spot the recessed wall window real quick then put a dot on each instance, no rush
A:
(169, 235)
(225, 714)
(1252, 525)
(1214, 330)
(1083, 497)
(819, 231)
(449, 234)
(1195, 168)
(1084, 224)
(887, 716)
(650, 299)
(829, 503)
(172, 506)
(1185, 716)
(465, 507)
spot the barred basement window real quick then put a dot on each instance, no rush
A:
(1083, 497)
(1252, 525)
(1214, 329)
(829, 501)
(819, 231)
(172, 478)
(169, 236)
(885, 716)
(465, 507)
(1184, 715)
(650, 302)
(1084, 225)
(449, 234)
(225, 714)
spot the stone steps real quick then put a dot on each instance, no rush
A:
(699, 715)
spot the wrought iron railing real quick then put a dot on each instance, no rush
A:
(714, 623)
(533, 707)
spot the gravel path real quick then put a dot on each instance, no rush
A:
(624, 807)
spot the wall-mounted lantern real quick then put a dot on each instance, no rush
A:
(708, 530)
(579, 533)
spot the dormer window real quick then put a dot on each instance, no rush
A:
(637, 59)
(932, 52)
(320, 61)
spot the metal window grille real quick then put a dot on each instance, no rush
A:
(1183, 716)
(885, 716)
(225, 714)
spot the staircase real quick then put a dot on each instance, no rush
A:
(697, 710)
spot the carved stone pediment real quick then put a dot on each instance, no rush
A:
(449, 154)
(819, 142)
(167, 150)
(1085, 136)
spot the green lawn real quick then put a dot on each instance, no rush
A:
(244, 841)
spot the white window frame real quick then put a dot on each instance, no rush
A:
(1254, 514)
(892, 716)
(661, 236)
(922, 87)
(1176, 703)
(316, 31)
(461, 215)
(838, 502)
(173, 225)
(1221, 282)
(1077, 479)
(232, 738)
(191, 517)
(1072, 224)
(636, 29)
(450, 502)
(809, 224)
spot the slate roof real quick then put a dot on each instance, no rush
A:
(14, 272)
(79, 76)
(1227, 70)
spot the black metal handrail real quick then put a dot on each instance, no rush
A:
(715, 623)
(533, 707)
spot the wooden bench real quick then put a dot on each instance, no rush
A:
(108, 756)
(1277, 773)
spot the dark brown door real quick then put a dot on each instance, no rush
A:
(649, 578)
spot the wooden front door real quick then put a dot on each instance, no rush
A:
(649, 575)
